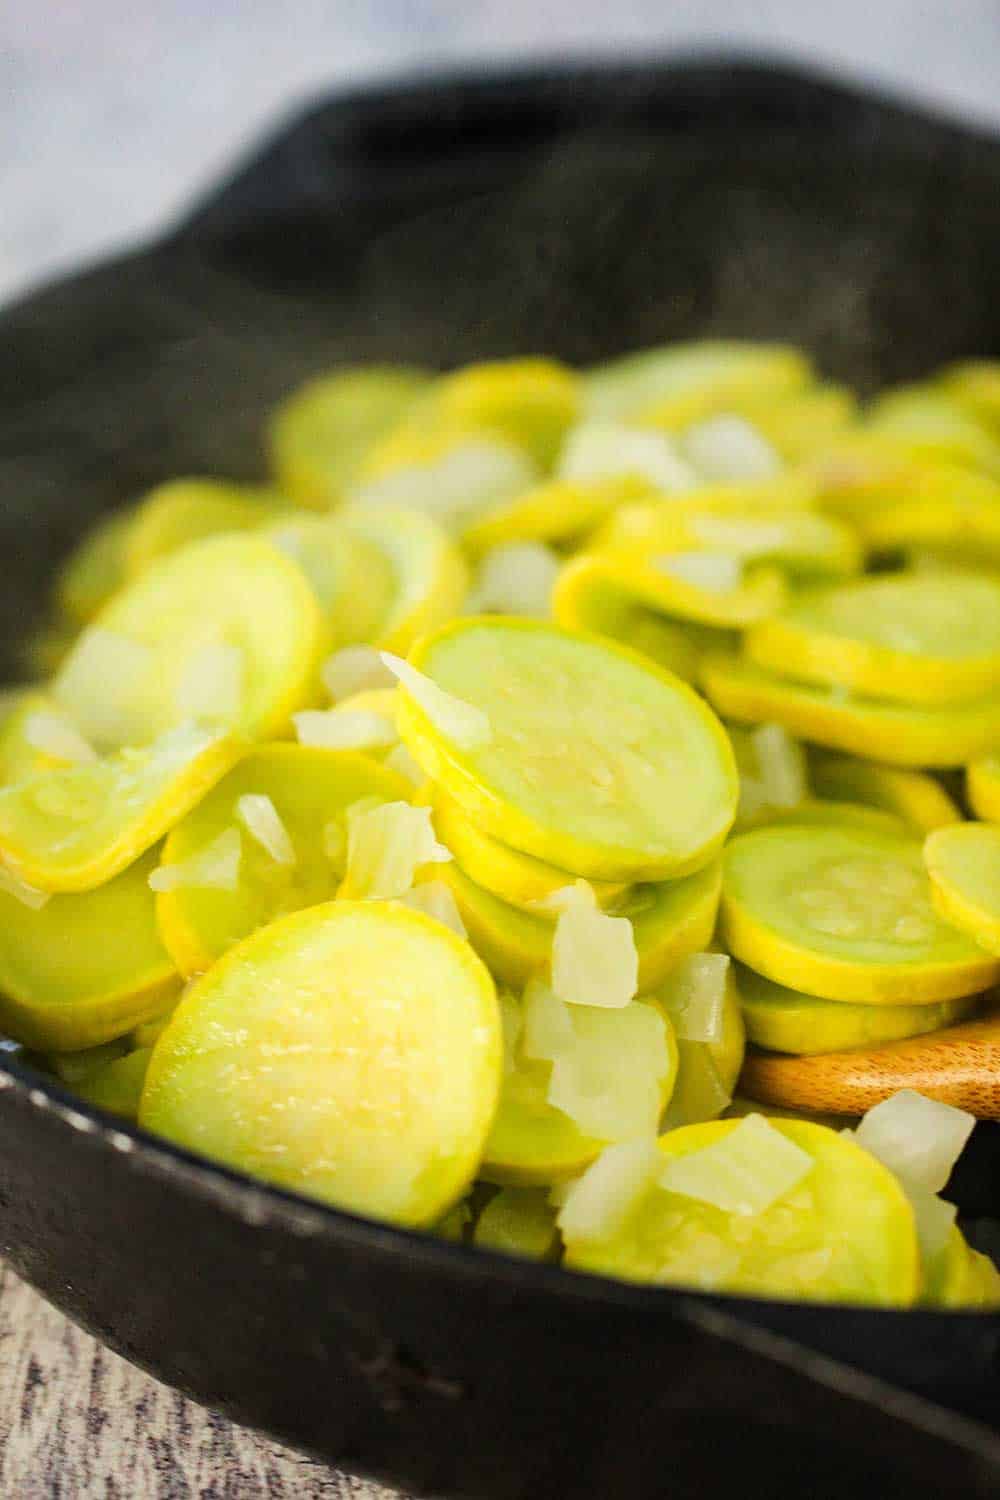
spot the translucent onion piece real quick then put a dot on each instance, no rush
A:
(262, 821)
(548, 1027)
(744, 1172)
(598, 1203)
(344, 729)
(210, 690)
(455, 487)
(695, 995)
(610, 1081)
(55, 736)
(594, 958)
(355, 669)
(596, 451)
(462, 723)
(515, 579)
(716, 571)
(917, 1138)
(216, 867)
(386, 845)
(934, 1219)
(28, 895)
(100, 687)
(782, 764)
(518, 1221)
(435, 899)
(729, 449)
(402, 762)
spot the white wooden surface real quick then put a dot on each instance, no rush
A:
(78, 1423)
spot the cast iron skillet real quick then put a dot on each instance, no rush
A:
(580, 211)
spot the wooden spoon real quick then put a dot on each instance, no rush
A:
(959, 1065)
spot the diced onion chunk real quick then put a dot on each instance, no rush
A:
(464, 724)
(355, 669)
(516, 578)
(729, 449)
(262, 821)
(594, 958)
(917, 1138)
(744, 1173)
(100, 686)
(435, 899)
(548, 1026)
(402, 762)
(782, 764)
(695, 995)
(610, 1080)
(457, 485)
(598, 1204)
(344, 729)
(598, 451)
(55, 736)
(386, 845)
(216, 867)
(717, 572)
(210, 689)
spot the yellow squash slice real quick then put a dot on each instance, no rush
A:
(392, 1052)
(895, 733)
(636, 783)
(845, 914)
(86, 968)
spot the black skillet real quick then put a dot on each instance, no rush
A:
(578, 211)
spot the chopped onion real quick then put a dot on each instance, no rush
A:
(517, 1221)
(597, 451)
(934, 1218)
(695, 994)
(745, 1172)
(917, 1138)
(717, 572)
(515, 579)
(262, 821)
(610, 1080)
(210, 689)
(729, 449)
(594, 958)
(355, 669)
(344, 729)
(216, 867)
(434, 898)
(457, 485)
(100, 685)
(462, 723)
(28, 895)
(782, 763)
(55, 736)
(598, 1204)
(548, 1026)
(401, 761)
(386, 845)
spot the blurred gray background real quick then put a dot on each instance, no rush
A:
(113, 113)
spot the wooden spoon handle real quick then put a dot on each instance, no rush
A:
(959, 1065)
